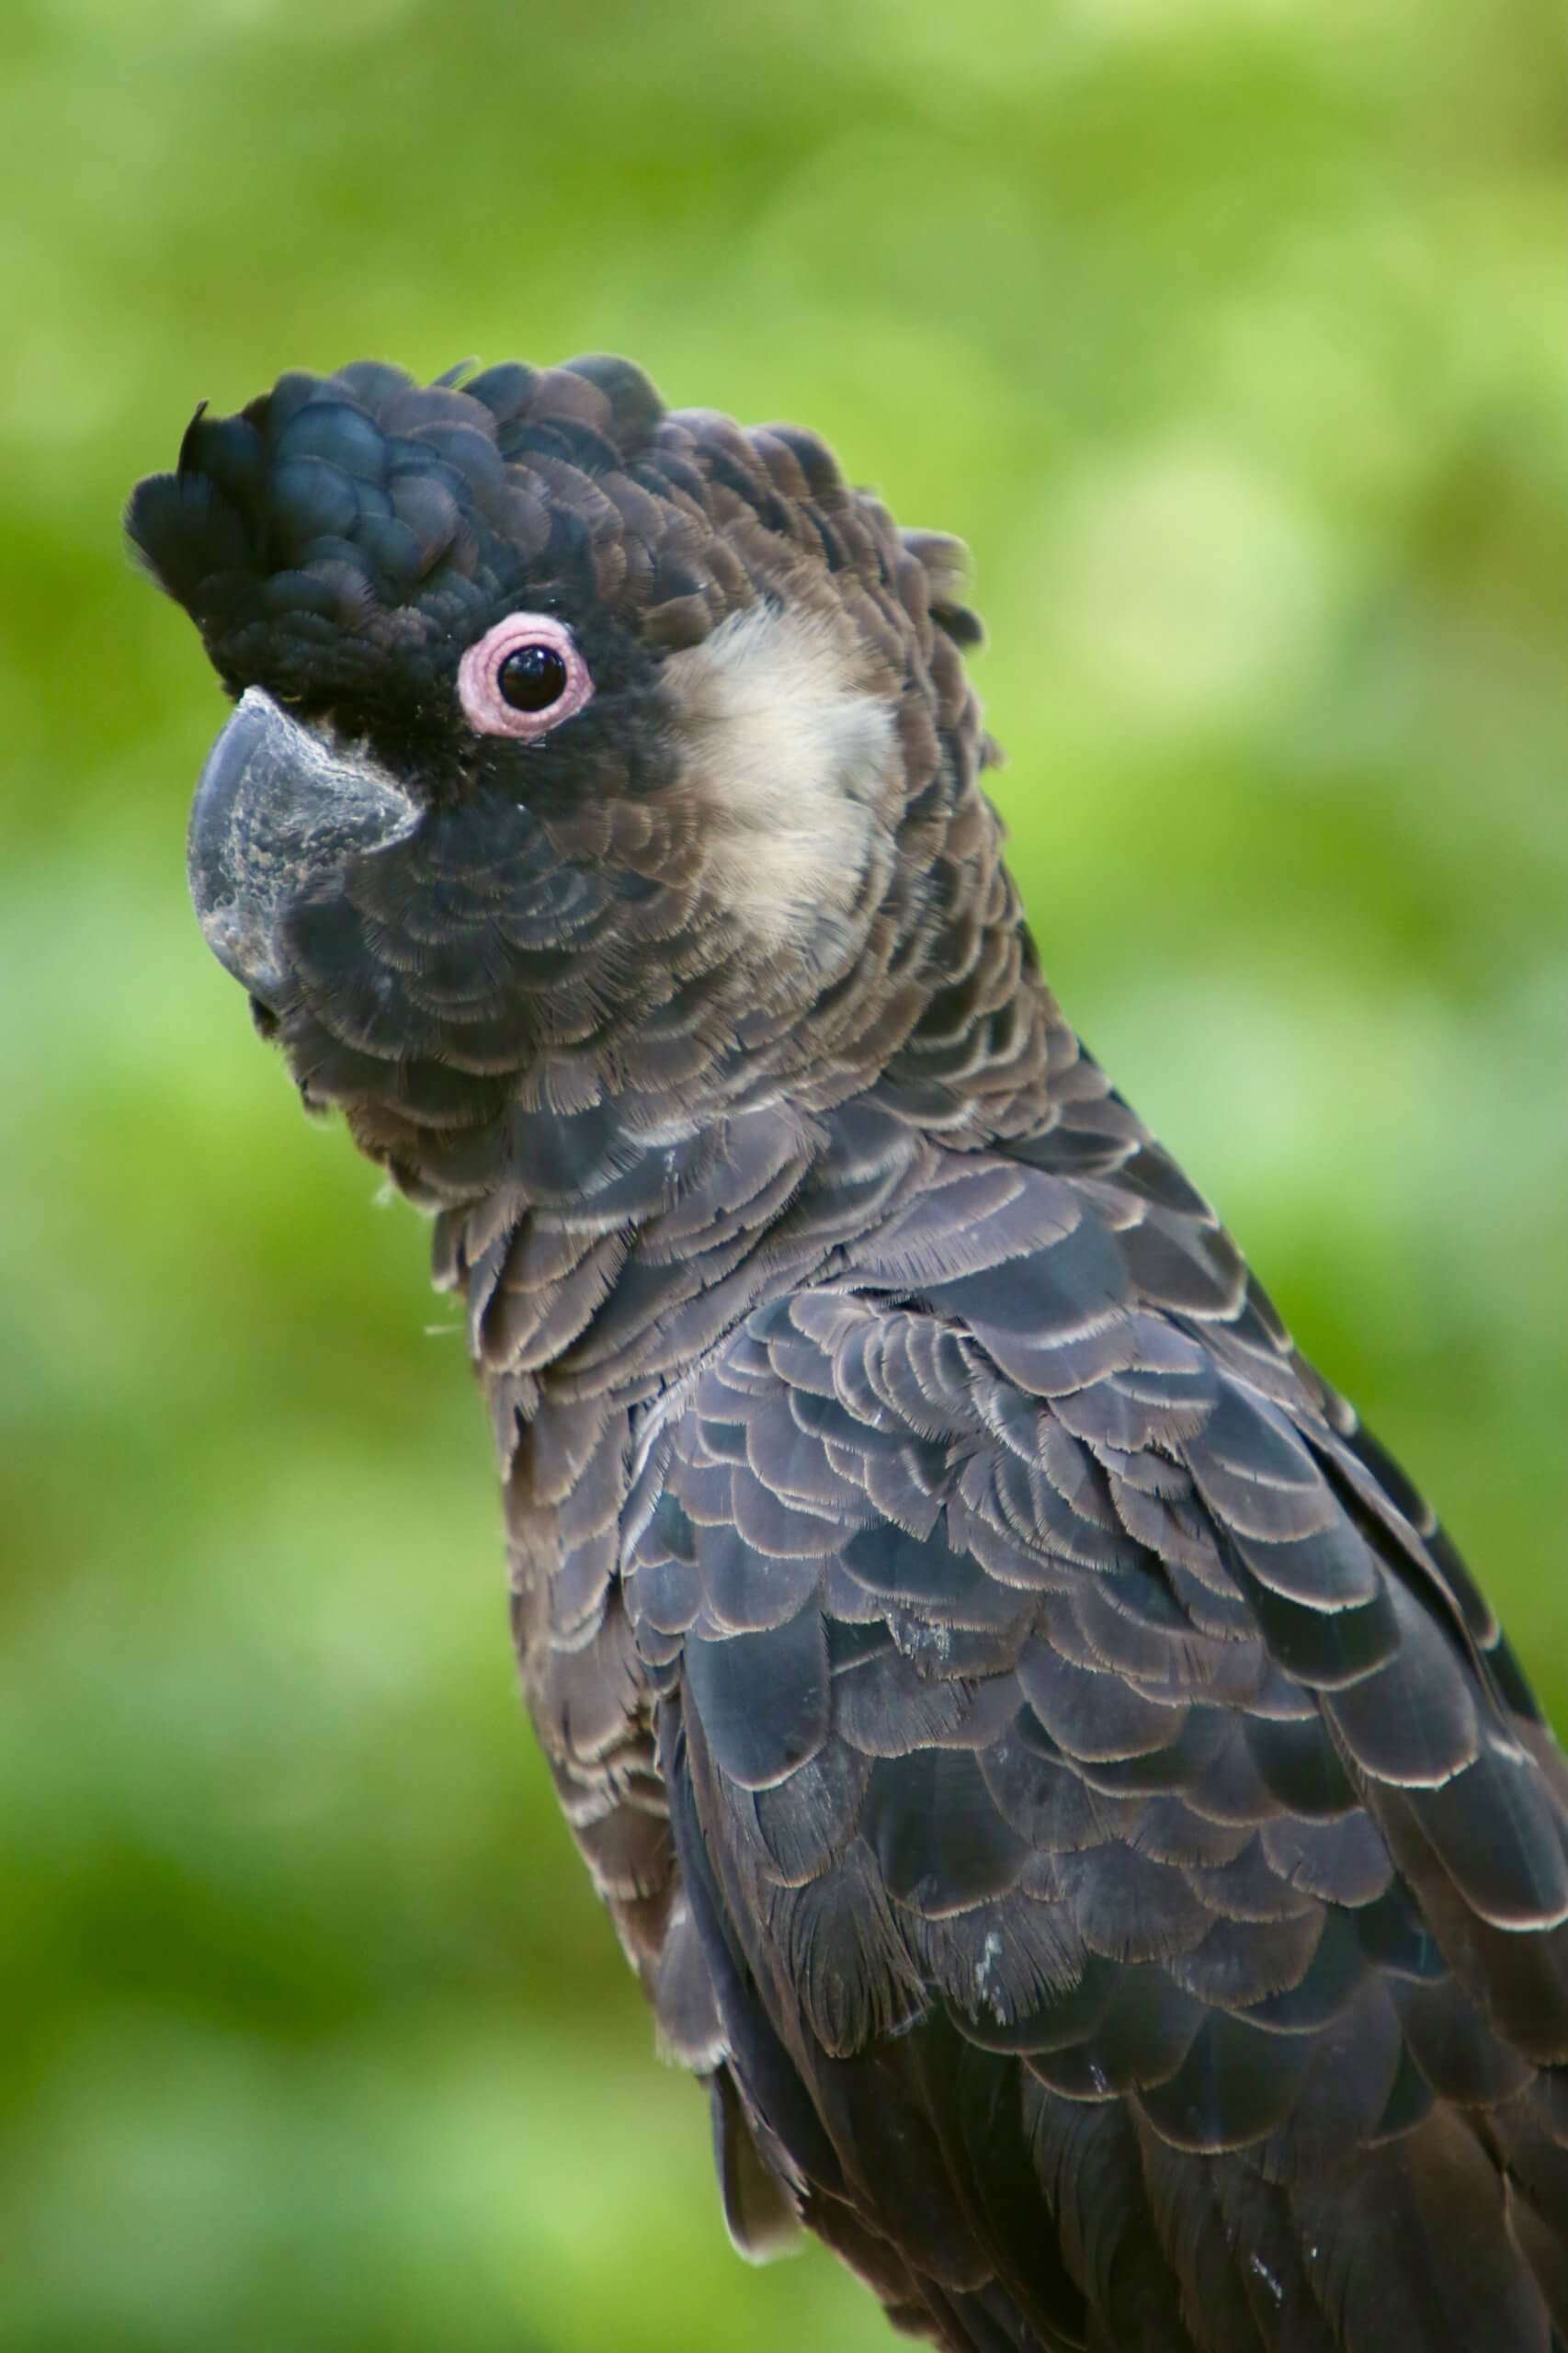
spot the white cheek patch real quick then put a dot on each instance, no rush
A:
(793, 761)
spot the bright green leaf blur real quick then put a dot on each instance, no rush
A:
(1228, 331)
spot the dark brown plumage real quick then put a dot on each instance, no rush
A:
(1054, 1779)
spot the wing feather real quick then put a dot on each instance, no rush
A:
(1125, 1869)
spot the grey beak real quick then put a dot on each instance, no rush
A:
(277, 811)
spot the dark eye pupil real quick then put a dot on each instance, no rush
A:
(532, 677)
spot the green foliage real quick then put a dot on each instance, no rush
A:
(1226, 334)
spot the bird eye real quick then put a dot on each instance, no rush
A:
(533, 678)
(523, 677)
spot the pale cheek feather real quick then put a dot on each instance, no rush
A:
(792, 759)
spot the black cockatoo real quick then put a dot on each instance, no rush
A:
(1056, 1783)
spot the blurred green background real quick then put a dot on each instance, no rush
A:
(1229, 332)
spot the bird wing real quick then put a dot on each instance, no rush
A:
(1130, 1875)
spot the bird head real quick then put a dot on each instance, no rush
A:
(592, 763)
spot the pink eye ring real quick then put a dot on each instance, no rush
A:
(523, 677)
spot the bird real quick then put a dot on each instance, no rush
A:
(1058, 1786)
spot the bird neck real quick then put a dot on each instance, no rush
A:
(603, 1261)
